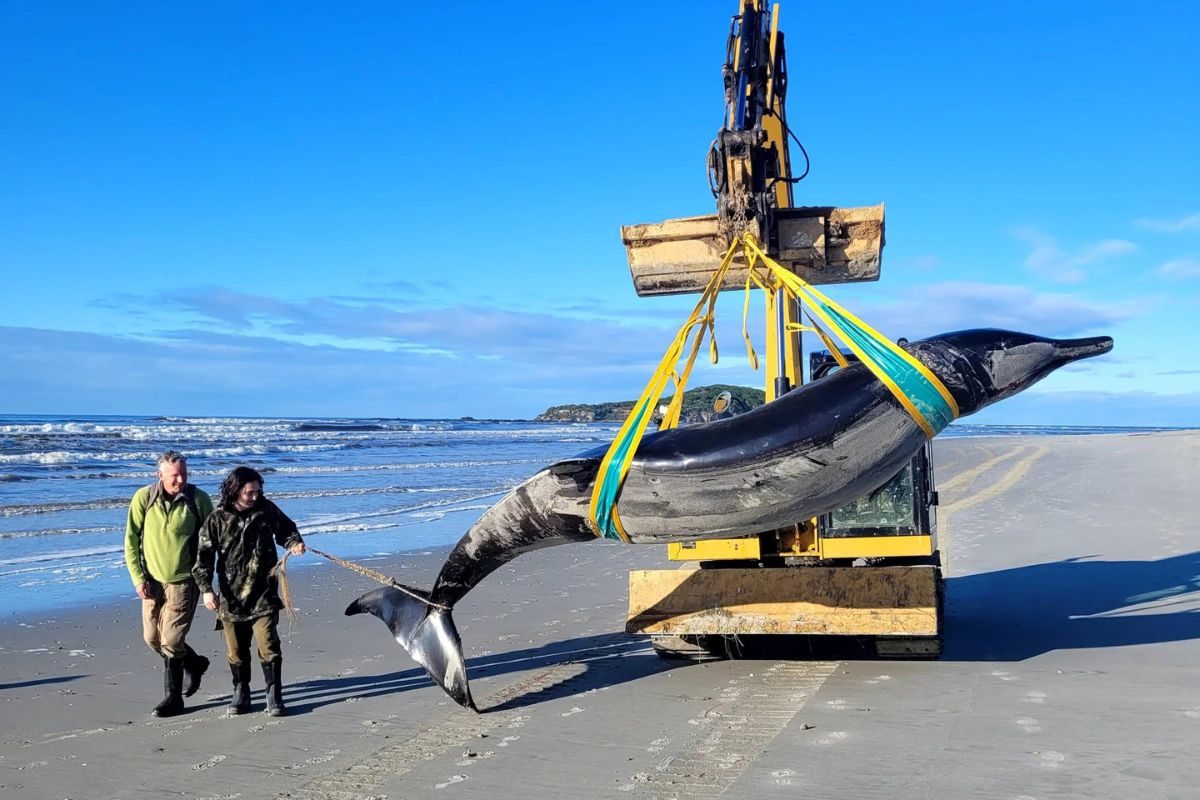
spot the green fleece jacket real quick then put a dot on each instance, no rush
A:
(161, 535)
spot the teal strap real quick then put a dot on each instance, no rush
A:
(610, 481)
(928, 401)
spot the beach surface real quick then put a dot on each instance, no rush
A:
(1069, 671)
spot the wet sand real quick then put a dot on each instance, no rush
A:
(1073, 634)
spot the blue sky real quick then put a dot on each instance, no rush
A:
(414, 209)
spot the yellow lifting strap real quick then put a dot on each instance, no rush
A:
(602, 511)
(916, 388)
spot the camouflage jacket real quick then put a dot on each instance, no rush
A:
(242, 545)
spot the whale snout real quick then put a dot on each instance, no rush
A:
(1068, 350)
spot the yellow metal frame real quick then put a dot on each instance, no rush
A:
(716, 549)
(750, 548)
(805, 540)
(875, 546)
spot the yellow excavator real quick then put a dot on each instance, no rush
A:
(870, 570)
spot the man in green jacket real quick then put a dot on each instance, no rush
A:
(161, 538)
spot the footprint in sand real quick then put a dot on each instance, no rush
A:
(470, 757)
(453, 779)
(518, 722)
(507, 740)
(1029, 725)
(783, 777)
(574, 710)
(1194, 713)
(657, 745)
(1051, 759)
(833, 737)
(211, 762)
(1035, 697)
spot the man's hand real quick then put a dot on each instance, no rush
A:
(145, 590)
(210, 601)
(298, 549)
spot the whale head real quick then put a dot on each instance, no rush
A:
(984, 365)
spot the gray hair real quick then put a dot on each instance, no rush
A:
(171, 457)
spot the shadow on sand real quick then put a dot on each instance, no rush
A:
(605, 660)
(41, 682)
(1006, 615)
(1017, 613)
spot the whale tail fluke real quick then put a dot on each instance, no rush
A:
(426, 632)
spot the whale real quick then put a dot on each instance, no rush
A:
(804, 454)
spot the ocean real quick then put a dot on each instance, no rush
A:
(357, 488)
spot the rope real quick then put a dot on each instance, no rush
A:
(280, 571)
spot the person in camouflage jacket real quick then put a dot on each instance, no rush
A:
(237, 544)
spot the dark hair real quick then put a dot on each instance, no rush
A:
(231, 487)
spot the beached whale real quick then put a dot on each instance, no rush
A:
(807, 453)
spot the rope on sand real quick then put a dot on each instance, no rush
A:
(285, 592)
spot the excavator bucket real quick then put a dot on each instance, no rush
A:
(821, 244)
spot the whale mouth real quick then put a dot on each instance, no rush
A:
(1068, 350)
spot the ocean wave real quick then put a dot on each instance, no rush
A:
(58, 532)
(65, 505)
(16, 478)
(57, 457)
(337, 427)
(358, 491)
(312, 530)
(410, 465)
(406, 509)
(333, 469)
(60, 555)
(96, 504)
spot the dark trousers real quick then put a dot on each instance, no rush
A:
(265, 631)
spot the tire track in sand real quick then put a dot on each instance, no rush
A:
(360, 780)
(1006, 481)
(731, 736)
(966, 476)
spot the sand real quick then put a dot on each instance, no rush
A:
(1069, 671)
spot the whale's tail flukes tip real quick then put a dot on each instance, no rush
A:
(426, 632)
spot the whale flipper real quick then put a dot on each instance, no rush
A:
(426, 632)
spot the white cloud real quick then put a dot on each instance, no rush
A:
(1189, 223)
(1052, 262)
(939, 307)
(1180, 268)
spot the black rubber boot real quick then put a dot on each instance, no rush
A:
(194, 666)
(239, 703)
(273, 673)
(172, 703)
